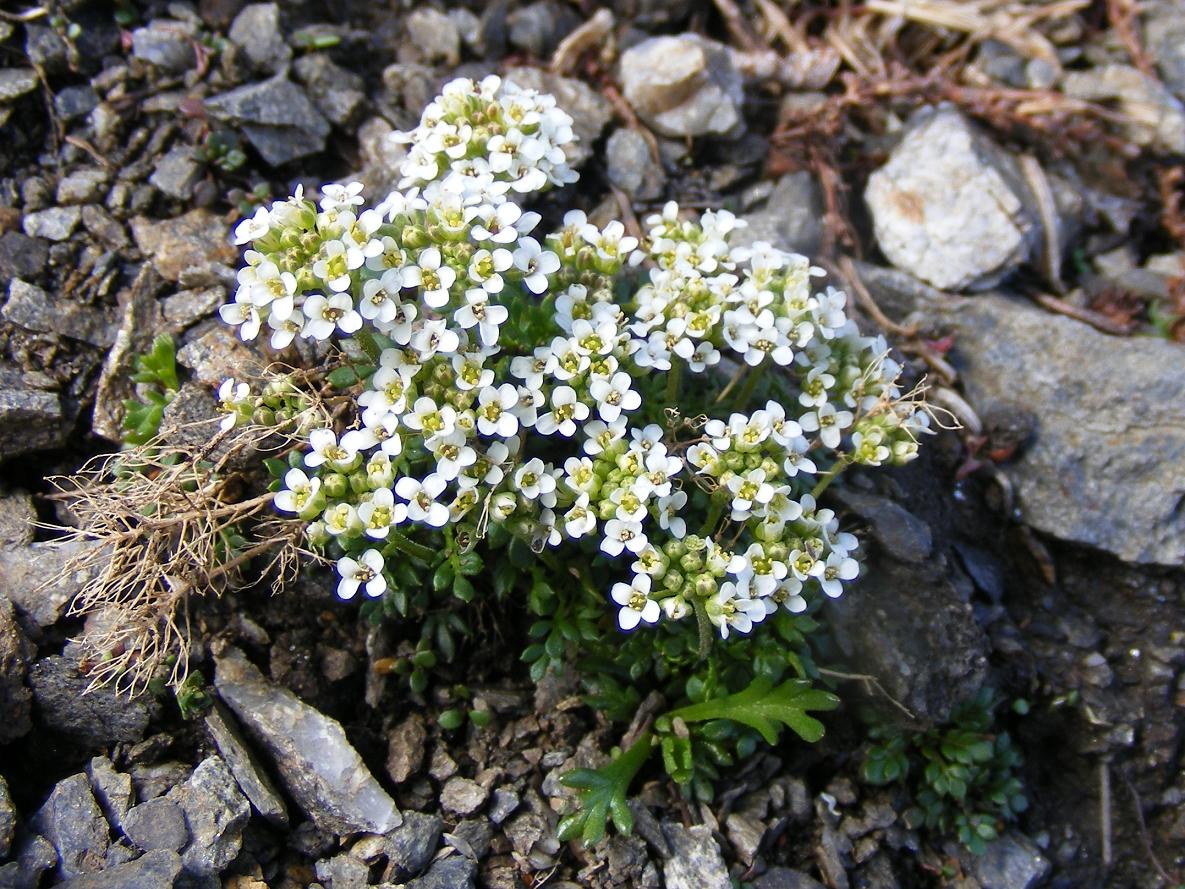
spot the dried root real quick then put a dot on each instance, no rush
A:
(168, 523)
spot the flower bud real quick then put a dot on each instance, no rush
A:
(335, 486)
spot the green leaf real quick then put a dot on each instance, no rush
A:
(463, 589)
(342, 378)
(601, 795)
(767, 708)
(451, 719)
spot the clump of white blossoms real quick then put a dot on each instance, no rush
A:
(572, 388)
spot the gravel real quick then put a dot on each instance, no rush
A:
(277, 118)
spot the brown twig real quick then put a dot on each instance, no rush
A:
(870, 682)
(1124, 19)
(1145, 839)
(1095, 319)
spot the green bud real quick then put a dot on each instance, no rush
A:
(263, 416)
(673, 581)
(335, 486)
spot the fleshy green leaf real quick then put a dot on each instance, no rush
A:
(767, 708)
(601, 794)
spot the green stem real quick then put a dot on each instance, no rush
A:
(369, 345)
(751, 381)
(674, 377)
(714, 511)
(705, 628)
(409, 547)
(843, 463)
(736, 378)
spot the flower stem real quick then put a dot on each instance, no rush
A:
(841, 464)
(751, 381)
(409, 547)
(674, 377)
(705, 628)
(714, 511)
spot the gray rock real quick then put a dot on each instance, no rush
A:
(74, 102)
(684, 86)
(1106, 464)
(94, 718)
(15, 697)
(154, 870)
(169, 45)
(176, 173)
(31, 308)
(218, 354)
(46, 48)
(899, 532)
(72, 821)
(1011, 862)
(462, 796)
(314, 757)
(251, 777)
(410, 846)
(156, 824)
(1164, 36)
(187, 307)
(631, 167)
(454, 872)
(925, 649)
(791, 217)
(745, 832)
(343, 872)
(535, 28)
(433, 36)
(1154, 117)
(17, 520)
(54, 224)
(16, 82)
(590, 111)
(695, 862)
(215, 814)
(157, 779)
(947, 207)
(30, 420)
(22, 256)
(175, 245)
(379, 156)
(82, 186)
(505, 802)
(34, 856)
(112, 789)
(784, 878)
(35, 578)
(276, 117)
(8, 819)
(256, 32)
(337, 92)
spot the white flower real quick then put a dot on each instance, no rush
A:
(828, 422)
(299, 492)
(487, 317)
(497, 224)
(750, 493)
(532, 480)
(430, 418)
(378, 431)
(601, 435)
(636, 604)
(668, 514)
(434, 336)
(336, 262)
(536, 264)
(486, 266)
(579, 520)
(565, 412)
(732, 609)
(429, 274)
(324, 316)
(254, 228)
(367, 572)
(838, 568)
(380, 297)
(495, 414)
(421, 499)
(285, 330)
(469, 372)
(614, 396)
(325, 449)
(380, 512)
(242, 314)
(341, 197)
(621, 535)
(230, 394)
(452, 454)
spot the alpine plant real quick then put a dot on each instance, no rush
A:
(585, 389)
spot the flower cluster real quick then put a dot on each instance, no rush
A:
(512, 378)
(488, 138)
